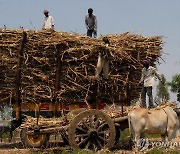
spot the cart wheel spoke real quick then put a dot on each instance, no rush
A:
(88, 144)
(102, 133)
(83, 141)
(94, 147)
(96, 123)
(85, 124)
(100, 145)
(103, 139)
(82, 135)
(91, 122)
(81, 129)
(101, 126)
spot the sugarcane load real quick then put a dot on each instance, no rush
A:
(86, 88)
(61, 67)
(47, 74)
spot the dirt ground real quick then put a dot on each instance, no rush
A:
(57, 146)
(54, 147)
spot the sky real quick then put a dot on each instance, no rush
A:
(145, 17)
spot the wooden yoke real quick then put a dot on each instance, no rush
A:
(18, 74)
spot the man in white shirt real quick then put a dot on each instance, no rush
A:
(48, 22)
(147, 78)
(91, 23)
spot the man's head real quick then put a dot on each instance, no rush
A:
(106, 40)
(46, 12)
(146, 63)
(90, 11)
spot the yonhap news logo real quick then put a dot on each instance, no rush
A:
(144, 144)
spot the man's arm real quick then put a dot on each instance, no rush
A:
(157, 74)
(43, 25)
(86, 22)
(142, 77)
(52, 23)
(95, 23)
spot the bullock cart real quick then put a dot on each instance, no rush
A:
(52, 71)
(82, 128)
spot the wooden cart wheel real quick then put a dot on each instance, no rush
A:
(92, 129)
(33, 141)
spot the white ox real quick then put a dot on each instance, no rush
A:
(163, 121)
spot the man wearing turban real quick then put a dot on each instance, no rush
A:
(147, 79)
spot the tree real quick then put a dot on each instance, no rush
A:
(175, 85)
(162, 93)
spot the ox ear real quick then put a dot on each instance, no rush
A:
(177, 112)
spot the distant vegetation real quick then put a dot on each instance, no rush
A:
(175, 85)
(162, 93)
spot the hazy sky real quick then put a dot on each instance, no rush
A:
(146, 17)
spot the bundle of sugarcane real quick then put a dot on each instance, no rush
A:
(116, 113)
(30, 122)
(75, 57)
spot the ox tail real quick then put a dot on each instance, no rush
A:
(131, 131)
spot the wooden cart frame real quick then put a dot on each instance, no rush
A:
(89, 129)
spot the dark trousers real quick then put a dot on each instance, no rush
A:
(90, 32)
(148, 91)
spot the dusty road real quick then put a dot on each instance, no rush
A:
(54, 146)
(123, 147)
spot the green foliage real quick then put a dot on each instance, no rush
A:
(5, 135)
(162, 93)
(154, 136)
(72, 151)
(124, 134)
(77, 151)
(175, 85)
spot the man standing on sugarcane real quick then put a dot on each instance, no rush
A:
(91, 23)
(103, 61)
(147, 79)
(48, 22)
